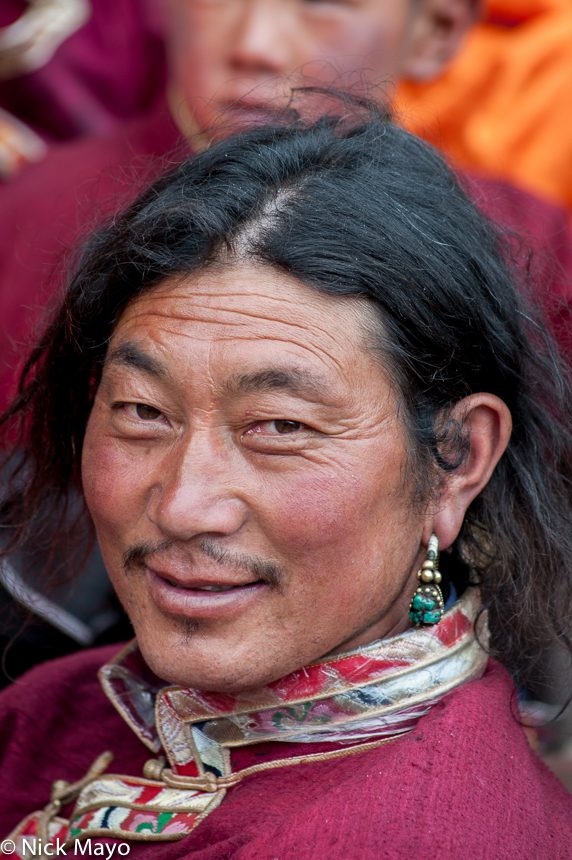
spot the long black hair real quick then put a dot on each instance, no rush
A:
(349, 207)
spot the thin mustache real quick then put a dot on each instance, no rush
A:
(135, 555)
(269, 571)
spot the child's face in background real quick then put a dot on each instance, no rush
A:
(226, 55)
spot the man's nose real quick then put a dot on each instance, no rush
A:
(194, 493)
(262, 45)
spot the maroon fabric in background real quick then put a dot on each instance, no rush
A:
(464, 785)
(109, 71)
(545, 231)
(51, 207)
(10, 11)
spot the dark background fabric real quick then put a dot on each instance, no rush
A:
(109, 71)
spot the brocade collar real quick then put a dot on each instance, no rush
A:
(375, 691)
(358, 700)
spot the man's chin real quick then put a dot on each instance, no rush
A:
(183, 665)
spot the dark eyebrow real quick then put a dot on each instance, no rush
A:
(302, 382)
(133, 356)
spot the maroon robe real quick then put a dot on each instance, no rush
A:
(107, 72)
(52, 206)
(462, 785)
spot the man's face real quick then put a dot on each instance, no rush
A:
(231, 52)
(244, 465)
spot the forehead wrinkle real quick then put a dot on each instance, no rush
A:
(217, 304)
(238, 330)
(228, 316)
(318, 351)
(320, 335)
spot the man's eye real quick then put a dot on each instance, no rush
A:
(283, 426)
(143, 411)
(277, 427)
(278, 435)
(147, 412)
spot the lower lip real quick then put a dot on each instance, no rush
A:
(197, 604)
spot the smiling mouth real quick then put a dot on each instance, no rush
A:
(203, 600)
(209, 587)
(216, 587)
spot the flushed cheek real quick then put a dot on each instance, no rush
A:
(114, 486)
(321, 515)
(116, 503)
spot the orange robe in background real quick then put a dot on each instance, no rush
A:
(505, 103)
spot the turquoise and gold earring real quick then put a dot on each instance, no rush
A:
(427, 605)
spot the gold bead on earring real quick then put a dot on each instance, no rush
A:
(427, 606)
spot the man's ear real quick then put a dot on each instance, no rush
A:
(487, 422)
(438, 29)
